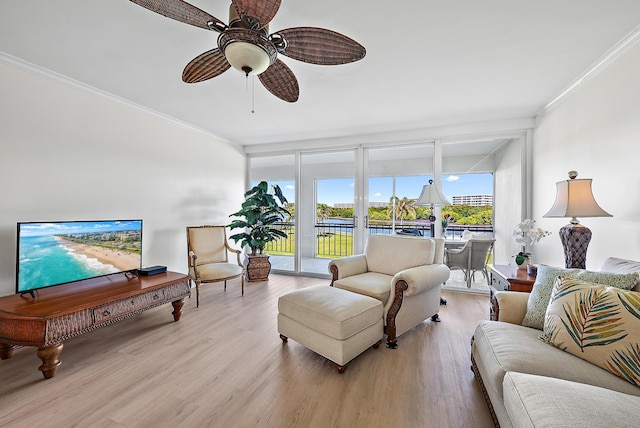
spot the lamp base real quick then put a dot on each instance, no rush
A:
(575, 240)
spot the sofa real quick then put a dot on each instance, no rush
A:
(404, 273)
(531, 378)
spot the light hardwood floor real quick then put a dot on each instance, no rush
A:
(223, 365)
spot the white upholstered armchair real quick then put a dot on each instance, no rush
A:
(208, 257)
(404, 273)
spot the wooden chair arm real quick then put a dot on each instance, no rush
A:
(193, 265)
(235, 251)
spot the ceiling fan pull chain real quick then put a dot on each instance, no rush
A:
(253, 94)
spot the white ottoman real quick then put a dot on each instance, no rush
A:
(335, 323)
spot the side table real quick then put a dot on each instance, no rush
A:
(507, 278)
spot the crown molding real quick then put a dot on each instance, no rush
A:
(22, 65)
(618, 50)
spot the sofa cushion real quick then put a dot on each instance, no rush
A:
(596, 323)
(541, 292)
(614, 264)
(502, 347)
(389, 254)
(539, 401)
(372, 284)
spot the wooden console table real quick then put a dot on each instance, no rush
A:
(64, 311)
(510, 278)
(507, 278)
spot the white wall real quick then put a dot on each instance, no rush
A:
(595, 131)
(67, 153)
(507, 206)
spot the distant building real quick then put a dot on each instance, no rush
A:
(371, 205)
(473, 200)
(378, 204)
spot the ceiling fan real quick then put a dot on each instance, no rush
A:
(246, 45)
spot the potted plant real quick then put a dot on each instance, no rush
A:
(525, 233)
(259, 212)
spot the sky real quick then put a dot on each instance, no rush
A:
(340, 190)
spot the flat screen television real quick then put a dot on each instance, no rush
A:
(54, 253)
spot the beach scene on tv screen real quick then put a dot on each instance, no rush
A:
(56, 253)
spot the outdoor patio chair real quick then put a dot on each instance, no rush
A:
(471, 258)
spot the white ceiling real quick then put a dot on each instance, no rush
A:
(429, 63)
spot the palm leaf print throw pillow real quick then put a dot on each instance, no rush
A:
(597, 323)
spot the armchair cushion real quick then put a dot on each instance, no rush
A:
(372, 284)
(220, 271)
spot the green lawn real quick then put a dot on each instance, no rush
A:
(329, 246)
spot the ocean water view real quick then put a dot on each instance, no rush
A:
(45, 260)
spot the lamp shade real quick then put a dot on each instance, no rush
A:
(430, 195)
(574, 198)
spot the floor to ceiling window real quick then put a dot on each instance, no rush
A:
(395, 179)
(340, 197)
(280, 170)
(327, 220)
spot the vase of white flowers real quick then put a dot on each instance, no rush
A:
(527, 233)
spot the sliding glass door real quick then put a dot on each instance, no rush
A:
(280, 170)
(327, 214)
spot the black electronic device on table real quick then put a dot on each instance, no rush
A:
(152, 270)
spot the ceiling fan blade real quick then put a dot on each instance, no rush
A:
(281, 82)
(205, 66)
(317, 46)
(183, 12)
(262, 10)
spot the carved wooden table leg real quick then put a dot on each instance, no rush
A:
(177, 309)
(50, 362)
(6, 351)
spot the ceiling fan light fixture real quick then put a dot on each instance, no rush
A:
(248, 58)
(246, 45)
(247, 51)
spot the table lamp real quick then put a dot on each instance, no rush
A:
(575, 199)
(431, 196)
